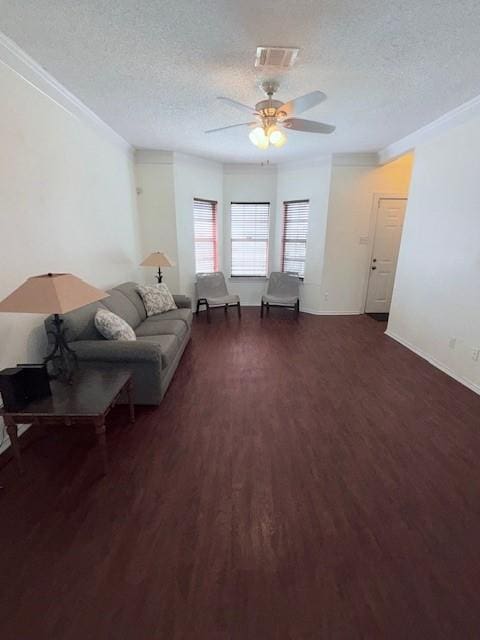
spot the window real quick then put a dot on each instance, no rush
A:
(295, 229)
(205, 226)
(250, 231)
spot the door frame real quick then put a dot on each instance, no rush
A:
(371, 234)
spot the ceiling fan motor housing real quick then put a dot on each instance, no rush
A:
(268, 108)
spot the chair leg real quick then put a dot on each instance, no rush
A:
(268, 308)
(198, 307)
(208, 312)
(225, 308)
(297, 307)
(239, 311)
(261, 310)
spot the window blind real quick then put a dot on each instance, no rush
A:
(295, 230)
(250, 233)
(205, 229)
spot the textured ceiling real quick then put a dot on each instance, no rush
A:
(152, 69)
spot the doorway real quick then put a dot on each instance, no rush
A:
(390, 214)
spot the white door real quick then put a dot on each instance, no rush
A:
(388, 233)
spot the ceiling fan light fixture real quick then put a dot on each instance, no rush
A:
(276, 136)
(263, 143)
(259, 138)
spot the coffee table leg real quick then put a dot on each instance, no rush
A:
(130, 400)
(12, 430)
(101, 441)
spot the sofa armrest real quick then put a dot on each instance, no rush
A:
(182, 302)
(116, 351)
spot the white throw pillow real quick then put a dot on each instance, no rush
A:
(157, 298)
(112, 327)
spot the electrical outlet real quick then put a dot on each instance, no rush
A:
(325, 296)
(452, 343)
(475, 354)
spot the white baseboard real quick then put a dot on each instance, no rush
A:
(316, 312)
(439, 365)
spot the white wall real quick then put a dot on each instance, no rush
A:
(67, 203)
(248, 183)
(306, 181)
(156, 207)
(350, 229)
(436, 294)
(194, 178)
(341, 197)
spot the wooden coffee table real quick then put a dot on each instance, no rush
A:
(87, 400)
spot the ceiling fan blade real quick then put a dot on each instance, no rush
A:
(303, 103)
(310, 126)
(238, 105)
(231, 126)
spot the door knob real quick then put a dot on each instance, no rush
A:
(373, 268)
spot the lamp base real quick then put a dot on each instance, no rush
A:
(62, 361)
(159, 275)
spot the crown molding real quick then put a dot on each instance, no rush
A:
(153, 156)
(355, 159)
(305, 163)
(238, 168)
(450, 119)
(13, 57)
(194, 160)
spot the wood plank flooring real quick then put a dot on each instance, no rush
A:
(302, 480)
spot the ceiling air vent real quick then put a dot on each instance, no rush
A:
(276, 57)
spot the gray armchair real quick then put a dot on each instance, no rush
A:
(212, 292)
(283, 291)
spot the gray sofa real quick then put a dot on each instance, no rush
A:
(152, 358)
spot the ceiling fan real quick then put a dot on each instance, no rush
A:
(274, 116)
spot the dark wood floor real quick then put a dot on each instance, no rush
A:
(301, 480)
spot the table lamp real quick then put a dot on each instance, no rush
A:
(158, 259)
(54, 293)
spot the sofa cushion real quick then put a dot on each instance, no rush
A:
(130, 290)
(156, 327)
(112, 327)
(118, 303)
(157, 298)
(167, 344)
(176, 314)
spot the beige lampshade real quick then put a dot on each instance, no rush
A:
(51, 293)
(157, 259)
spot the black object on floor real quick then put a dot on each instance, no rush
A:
(379, 317)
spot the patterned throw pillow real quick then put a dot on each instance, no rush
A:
(157, 299)
(112, 327)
